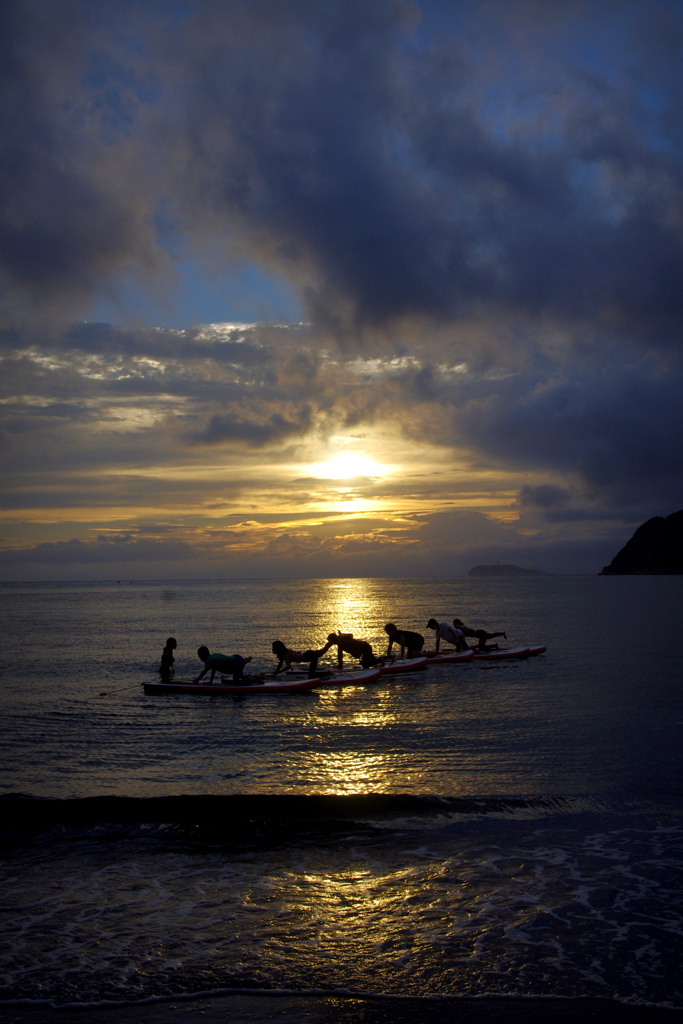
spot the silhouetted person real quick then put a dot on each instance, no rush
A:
(166, 668)
(287, 657)
(481, 635)
(450, 634)
(409, 642)
(232, 664)
(347, 643)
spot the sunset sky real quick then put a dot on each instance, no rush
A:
(337, 287)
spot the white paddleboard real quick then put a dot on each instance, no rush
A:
(250, 690)
(513, 652)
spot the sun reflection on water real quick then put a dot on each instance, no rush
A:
(339, 772)
(351, 606)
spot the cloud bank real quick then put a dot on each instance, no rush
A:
(481, 215)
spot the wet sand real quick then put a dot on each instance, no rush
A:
(263, 1009)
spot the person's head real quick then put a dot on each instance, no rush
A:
(391, 629)
(279, 648)
(432, 624)
(172, 643)
(332, 638)
(203, 653)
(457, 622)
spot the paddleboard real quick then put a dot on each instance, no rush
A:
(513, 652)
(255, 690)
(446, 657)
(537, 650)
(340, 677)
(409, 665)
(351, 677)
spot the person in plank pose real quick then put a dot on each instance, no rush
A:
(481, 635)
(347, 643)
(232, 664)
(450, 634)
(406, 640)
(288, 656)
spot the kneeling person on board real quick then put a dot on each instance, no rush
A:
(227, 664)
(450, 634)
(348, 644)
(166, 669)
(287, 656)
(406, 639)
(481, 635)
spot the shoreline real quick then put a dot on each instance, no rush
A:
(263, 1008)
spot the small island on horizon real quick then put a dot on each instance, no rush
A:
(504, 570)
(655, 549)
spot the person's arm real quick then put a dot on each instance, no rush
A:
(279, 667)
(201, 674)
(340, 656)
(438, 640)
(391, 644)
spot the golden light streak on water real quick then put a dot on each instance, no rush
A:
(339, 772)
(350, 605)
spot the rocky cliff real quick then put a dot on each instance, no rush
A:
(655, 548)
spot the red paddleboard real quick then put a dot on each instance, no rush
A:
(537, 650)
(446, 657)
(255, 690)
(409, 665)
(514, 652)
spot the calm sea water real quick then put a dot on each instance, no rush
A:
(558, 872)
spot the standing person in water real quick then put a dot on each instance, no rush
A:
(288, 656)
(232, 664)
(481, 635)
(406, 639)
(450, 634)
(347, 643)
(166, 669)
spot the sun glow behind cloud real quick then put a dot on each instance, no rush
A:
(346, 466)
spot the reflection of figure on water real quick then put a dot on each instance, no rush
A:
(450, 634)
(166, 669)
(288, 656)
(347, 643)
(481, 635)
(232, 664)
(409, 642)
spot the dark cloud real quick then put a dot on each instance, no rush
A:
(620, 430)
(66, 223)
(543, 496)
(274, 429)
(389, 171)
(119, 549)
(229, 346)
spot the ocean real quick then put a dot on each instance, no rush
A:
(504, 832)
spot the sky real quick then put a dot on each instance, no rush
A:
(311, 288)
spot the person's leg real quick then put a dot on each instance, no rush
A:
(312, 658)
(484, 636)
(238, 671)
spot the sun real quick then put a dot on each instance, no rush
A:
(345, 466)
